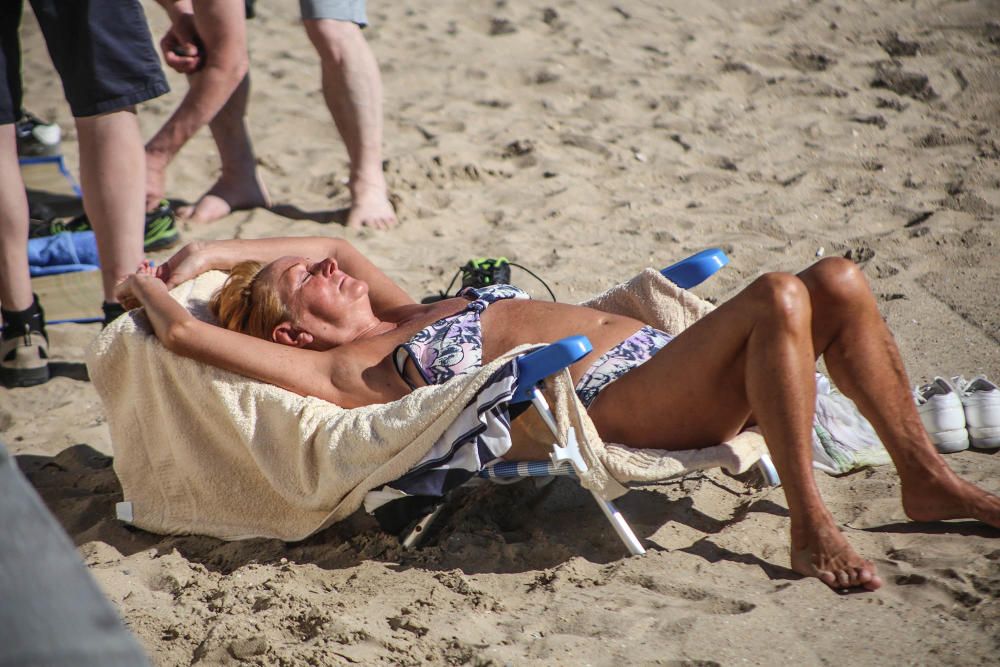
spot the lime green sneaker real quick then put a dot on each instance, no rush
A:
(161, 228)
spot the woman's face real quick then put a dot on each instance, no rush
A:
(325, 301)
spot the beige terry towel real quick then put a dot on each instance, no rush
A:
(653, 299)
(202, 450)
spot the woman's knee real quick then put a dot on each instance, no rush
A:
(783, 297)
(836, 282)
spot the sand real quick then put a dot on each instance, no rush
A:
(586, 141)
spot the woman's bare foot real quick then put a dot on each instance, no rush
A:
(226, 196)
(944, 495)
(370, 207)
(827, 555)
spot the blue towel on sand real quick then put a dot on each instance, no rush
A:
(62, 253)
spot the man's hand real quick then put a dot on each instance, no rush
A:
(182, 48)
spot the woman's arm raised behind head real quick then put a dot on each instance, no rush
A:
(199, 256)
(304, 372)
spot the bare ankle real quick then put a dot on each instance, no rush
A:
(362, 185)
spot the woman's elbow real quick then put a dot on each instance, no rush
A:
(177, 337)
(336, 248)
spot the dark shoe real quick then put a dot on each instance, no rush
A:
(42, 227)
(24, 347)
(160, 228)
(112, 311)
(35, 137)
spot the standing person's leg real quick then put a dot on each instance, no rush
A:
(15, 283)
(112, 167)
(214, 34)
(24, 355)
(104, 55)
(23, 345)
(352, 87)
(240, 186)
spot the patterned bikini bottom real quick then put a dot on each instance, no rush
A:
(631, 353)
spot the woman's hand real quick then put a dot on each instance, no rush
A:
(189, 262)
(128, 290)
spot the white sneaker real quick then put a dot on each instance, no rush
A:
(981, 400)
(941, 412)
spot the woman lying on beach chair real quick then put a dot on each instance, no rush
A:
(348, 334)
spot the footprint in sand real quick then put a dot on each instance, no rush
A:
(807, 59)
(897, 47)
(891, 75)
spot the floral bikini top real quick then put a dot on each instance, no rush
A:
(453, 344)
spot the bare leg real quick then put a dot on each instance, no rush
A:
(112, 173)
(352, 88)
(217, 95)
(15, 280)
(849, 332)
(754, 353)
(240, 186)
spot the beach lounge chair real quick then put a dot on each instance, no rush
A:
(566, 460)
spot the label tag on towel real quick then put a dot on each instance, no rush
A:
(123, 512)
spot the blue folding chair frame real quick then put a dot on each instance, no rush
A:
(60, 163)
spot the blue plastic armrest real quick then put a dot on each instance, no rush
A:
(535, 366)
(695, 269)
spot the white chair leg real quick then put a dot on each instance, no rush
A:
(620, 525)
(766, 467)
(416, 534)
(570, 454)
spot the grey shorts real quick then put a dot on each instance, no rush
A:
(339, 10)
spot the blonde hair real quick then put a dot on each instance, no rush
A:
(247, 304)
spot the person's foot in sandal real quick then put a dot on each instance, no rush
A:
(24, 347)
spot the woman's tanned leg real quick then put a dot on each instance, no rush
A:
(865, 364)
(754, 353)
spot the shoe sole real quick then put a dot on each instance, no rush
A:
(985, 438)
(24, 377)
(949, 442)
